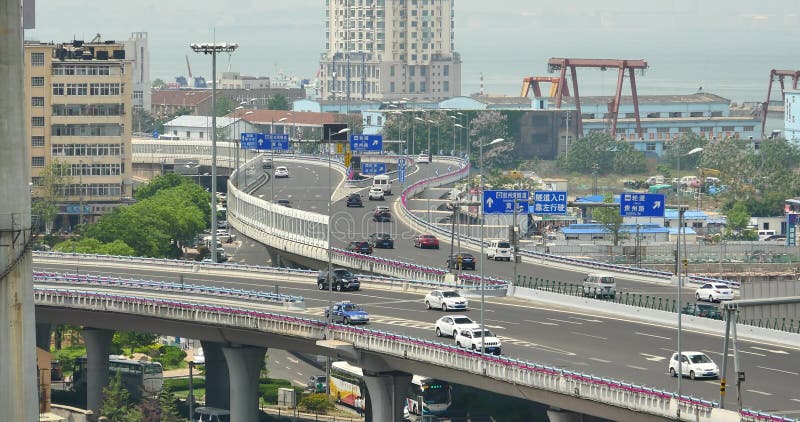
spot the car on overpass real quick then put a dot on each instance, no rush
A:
(423, 241)
(464, 261)
(376, 194)
(284, 203)
(355, 200)
(360, 247)
(341, 279)
(347, 313)
(705, 310)
(281, 171)
(714, 292)
(694, 365)
(450, 325)
(381, 240)
(445, 300)
(473, 338)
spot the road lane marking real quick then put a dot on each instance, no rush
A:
(293, 360)
(778, 370)
(797, 400)
(653, 358)
(636, 367)
(541, 322)
(778, 352)
(652, 335)
(763, 393)
(565, 321)
(730, 353)
(585, 319)
(589, 335)
(600, 360)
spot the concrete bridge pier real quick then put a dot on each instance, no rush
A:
(98, 347)
(386, 395)
(244, 365)
(218, 390)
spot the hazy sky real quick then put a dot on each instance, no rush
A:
(723, 45)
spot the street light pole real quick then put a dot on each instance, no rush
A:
(455, 126)
(213, 49)
(272, 179)
(483, 217)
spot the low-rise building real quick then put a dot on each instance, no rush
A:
(198, 128)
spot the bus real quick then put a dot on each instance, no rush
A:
(347, 384)
(142, 379)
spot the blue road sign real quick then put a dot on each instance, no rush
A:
(366, 143)
(401, 175)
(278, 141)
(502, 201)
(549, 202)
(641, 204)
(155, 134)
(249, 140)
(401, 163)
(373, 168)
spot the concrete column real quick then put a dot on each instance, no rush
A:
(386, 395)
(218, 385)
(274, 258)
(43, 336)
(244, 364)
(98, 347)
(17, 331)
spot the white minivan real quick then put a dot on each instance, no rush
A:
(600, 285)
(499, 250)
(384, 182)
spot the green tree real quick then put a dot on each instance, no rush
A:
(53, 177)
(316, 403)
(610, 155)
(117, 402)
(132, 340)
(487, 126)
(278, 101)
(143, 121)
(609, 218)
(158, 83)
(88, 245)
(223, 107)
(134, 226)
(738, 217)
(685, 143)
(168, 406)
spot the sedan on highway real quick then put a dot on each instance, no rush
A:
(450, 325)
(348, 313)
(445, 300)
(360, 247)
(463, 260)
(382, 217)
(714, 292)
(472, 339)
(376, 194)
(426, 241)
(355, 200)
(381, 240)
(281, 171)
(694, 365)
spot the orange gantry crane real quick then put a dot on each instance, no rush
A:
(532, 82)
(780, 75)
(561, 65)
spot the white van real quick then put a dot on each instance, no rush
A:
(384, 182)
(600, 285)
(499, 250)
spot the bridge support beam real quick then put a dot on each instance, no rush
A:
(560, 415)
(98, 347)
(244, 365)
(218, 385)
(43, 336)
(386, 395)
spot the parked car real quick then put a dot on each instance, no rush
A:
(445, 300)
(714, 292)
(702, 310)
(347, 313)
(450, 325)
(376, 194)
(426, 241)
(355, 200)
(694, 365)
(381, 240)
(281, 171)
(475, 340)
(284, 202)
(360, 247)
(341, 279)
(463, 260)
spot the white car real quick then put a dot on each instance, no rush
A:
(445, 300)
(472, 339)
(281, 171)
(376, 194)
(451, 325)
(423, 158)
(694, 365)
(714, 292)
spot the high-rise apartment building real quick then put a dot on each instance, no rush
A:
(389, 49)
(78, 112)
(136, 50)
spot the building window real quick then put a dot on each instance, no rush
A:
(37, 161)
(728, 129)
(650, 146)
(662, 129)
(748, 128)
(380, 121)
(653, 115)
(37, 81)
(411, 87)
(422, 87)
(696, 114)
(37, 141)
(37, 59)
(37, 101)
(37, 121)
(684, 129)
(391, 86)
(706, 129)
(446, 86)
(446, 70)
(716, 114)
(58, 89)
(675, 114)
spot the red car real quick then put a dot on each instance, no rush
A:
(426, 241)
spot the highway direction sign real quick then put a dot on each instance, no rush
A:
(373, 168)
(401, 175)
(366, 143)
(249, 140)
(502, 201)
(641, 204)
(278, 141)
(549, 202)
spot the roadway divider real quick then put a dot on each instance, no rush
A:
(496, 370)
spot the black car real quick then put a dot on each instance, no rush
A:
(381, 240)
(340, 278)
(467, 261)
(360, 247)
(702, 310)
(382, 216)
(284, 202)
(355, 200)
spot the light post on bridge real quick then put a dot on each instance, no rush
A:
(481, 259)
(272, 153)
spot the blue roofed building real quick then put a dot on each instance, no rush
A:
(593, 232)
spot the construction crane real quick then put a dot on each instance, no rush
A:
(532, 82)
(780, 74)
(188, 66)
(561, 65)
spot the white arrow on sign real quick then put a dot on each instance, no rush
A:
(653, 358)
(656, 205)
(489, 202)
(375, 142)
